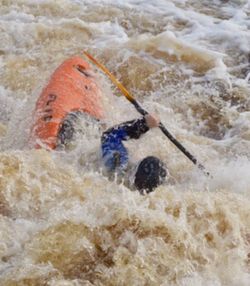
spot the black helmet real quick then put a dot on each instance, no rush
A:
(150, 173)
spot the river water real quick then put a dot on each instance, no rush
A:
(62, 222)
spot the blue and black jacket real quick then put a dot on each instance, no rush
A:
(114, 153)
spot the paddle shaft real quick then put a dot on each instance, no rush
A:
(144, 112)
(170, 137)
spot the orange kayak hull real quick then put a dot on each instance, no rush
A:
(72, 87)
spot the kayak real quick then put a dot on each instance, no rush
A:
(71, 88)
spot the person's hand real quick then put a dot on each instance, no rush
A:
(152, 120)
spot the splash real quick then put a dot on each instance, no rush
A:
(62, 221)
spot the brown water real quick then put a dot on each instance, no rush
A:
(61, 221)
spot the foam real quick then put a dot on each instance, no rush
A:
(62, 221)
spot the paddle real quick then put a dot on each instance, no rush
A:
(144, 112)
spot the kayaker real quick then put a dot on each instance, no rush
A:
(72, 91)
(150, 172)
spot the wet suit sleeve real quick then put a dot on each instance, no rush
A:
(132, 129)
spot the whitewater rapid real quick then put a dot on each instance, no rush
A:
(62, 222)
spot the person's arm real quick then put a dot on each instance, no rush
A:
(132, 129)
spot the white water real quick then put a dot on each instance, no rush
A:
(62, 222)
